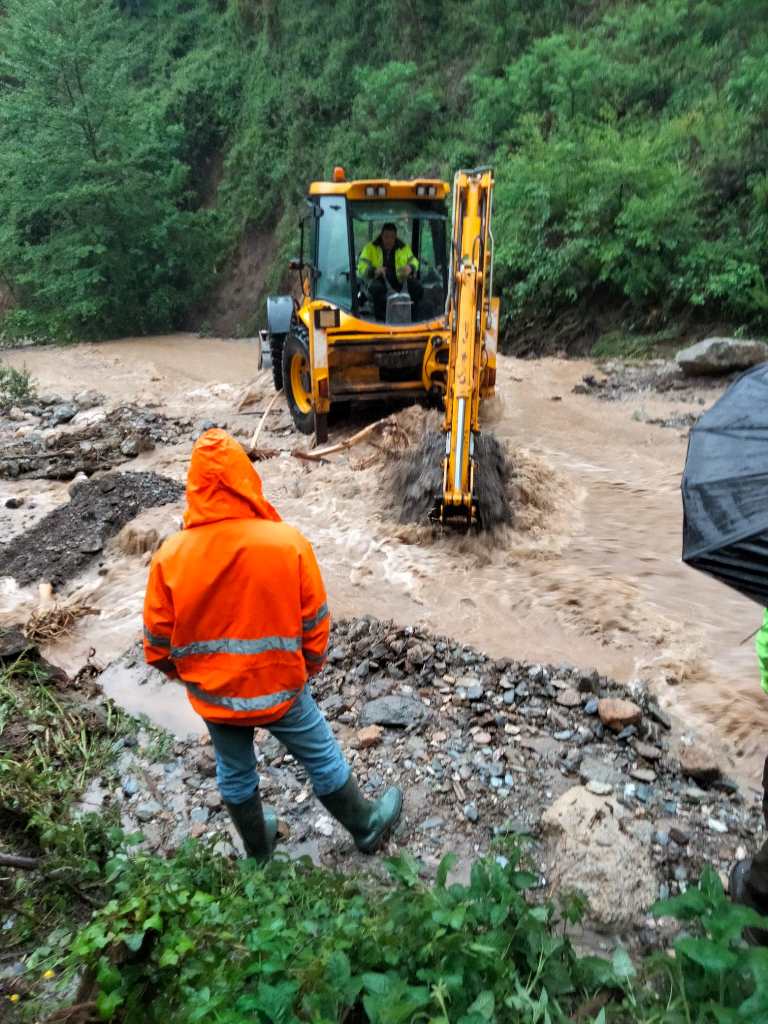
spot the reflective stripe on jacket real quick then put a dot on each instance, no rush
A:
(235, 606)
(372, 257)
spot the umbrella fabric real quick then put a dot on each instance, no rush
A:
(725, 488)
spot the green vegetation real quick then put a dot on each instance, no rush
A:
(51, 746)
(197, 937)
(15, 385)
(141, 140)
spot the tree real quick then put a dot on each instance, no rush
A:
(94, 234)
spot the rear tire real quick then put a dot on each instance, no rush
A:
(297, 378)
(276, 343)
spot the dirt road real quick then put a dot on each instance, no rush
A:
(589, 575)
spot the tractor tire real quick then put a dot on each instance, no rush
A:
(297, 378)
(276, 343)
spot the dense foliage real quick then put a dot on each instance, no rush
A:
(141, 139)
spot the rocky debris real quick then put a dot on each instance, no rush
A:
(66, 540)
(619, 381)
(618, 714)
(721, 355)
(57, 440)
(599, 848)
(675, 421)
(472, 767)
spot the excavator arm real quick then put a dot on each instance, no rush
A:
(473, 324)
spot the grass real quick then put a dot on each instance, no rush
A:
(52, 744)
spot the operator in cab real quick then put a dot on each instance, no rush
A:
(389, 263)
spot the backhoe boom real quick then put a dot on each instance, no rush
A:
(470, 315)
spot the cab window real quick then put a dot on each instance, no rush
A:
(332, 274)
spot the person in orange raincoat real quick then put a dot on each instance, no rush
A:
(236, 611)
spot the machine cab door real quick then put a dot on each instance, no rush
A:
(333, 279)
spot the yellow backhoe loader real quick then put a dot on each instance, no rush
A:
(432, 335)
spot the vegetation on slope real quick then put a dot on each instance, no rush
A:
(141, 139)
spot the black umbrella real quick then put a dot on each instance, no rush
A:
(725, 488)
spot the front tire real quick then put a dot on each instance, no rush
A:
(297, 378)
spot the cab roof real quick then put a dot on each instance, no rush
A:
(361, 188)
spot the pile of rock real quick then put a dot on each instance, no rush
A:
(55, 439)
(485, 748)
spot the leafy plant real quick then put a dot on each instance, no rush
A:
(15, 385)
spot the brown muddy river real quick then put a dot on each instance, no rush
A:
(590, 575)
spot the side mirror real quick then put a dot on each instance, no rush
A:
(295, 264)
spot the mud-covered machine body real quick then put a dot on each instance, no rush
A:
(437, 340)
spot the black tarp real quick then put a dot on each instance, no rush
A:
(725, 488)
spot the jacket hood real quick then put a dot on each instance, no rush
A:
(222, 483)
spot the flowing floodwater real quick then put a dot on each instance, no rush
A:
(590, 573)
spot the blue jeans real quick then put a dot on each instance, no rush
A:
(303, 732)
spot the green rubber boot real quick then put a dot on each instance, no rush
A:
(256, 826)
(369, 823)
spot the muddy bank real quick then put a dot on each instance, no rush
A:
(70, 537)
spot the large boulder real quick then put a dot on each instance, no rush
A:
(599, 849)
(721, 355)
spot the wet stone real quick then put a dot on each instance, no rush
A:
(147, 810)
(617, 714)
(599, 788)
(590, 708)
(569, 698)
(62, 414)
(470, 812)
(130, 786)
(643, 775)
(394, 710)
(648, 751)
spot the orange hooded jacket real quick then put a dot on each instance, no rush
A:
(235, 606)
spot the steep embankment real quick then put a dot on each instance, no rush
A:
(628, 139)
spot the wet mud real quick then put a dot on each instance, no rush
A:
(70, 537)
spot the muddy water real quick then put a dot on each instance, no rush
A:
(590, 574)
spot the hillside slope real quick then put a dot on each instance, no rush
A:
(144, 144)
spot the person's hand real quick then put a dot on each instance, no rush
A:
(379, 272)
(406, 271)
